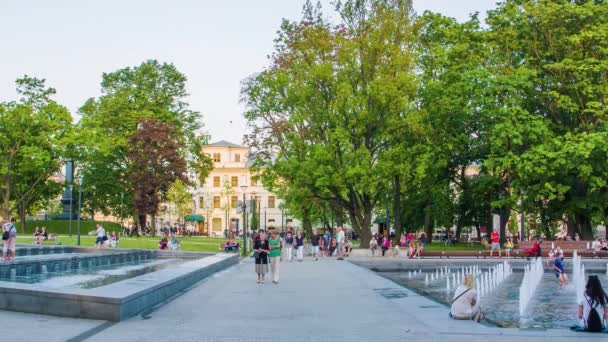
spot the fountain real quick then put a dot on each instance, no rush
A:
(532, 275)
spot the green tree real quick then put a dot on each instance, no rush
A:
(320, 114)
(33, 139)
(130, 96)
(179, 196)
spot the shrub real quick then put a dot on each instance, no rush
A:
(62, 227)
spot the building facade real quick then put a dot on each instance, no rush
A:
(217, 197)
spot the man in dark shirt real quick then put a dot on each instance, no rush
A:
(314, 241)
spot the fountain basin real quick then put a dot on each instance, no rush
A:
(550, 306)
(113, 302)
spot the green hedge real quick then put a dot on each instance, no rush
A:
(63, 226)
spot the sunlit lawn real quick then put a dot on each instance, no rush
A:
(197, 244)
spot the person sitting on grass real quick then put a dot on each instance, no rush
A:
(162, 244)
(227, 246)
(234, 245)
(37, 236)
(113, 239)
(593, 307)
(174, 244)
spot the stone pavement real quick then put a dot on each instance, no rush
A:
(328, 300)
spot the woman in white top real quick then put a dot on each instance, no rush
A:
(593, 306)
(465, 304)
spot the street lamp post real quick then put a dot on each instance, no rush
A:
(79, 206)
(244, 189)
(388, 224)
(282, 220)
(71, 206)
(265, 220)
(122, 228)
(260, 213)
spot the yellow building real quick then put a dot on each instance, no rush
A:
(216, 197)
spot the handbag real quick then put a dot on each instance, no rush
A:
(256, 255)
(5, 235)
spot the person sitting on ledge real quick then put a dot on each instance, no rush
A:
(227, 246)
(465, 305)
(592, 306)
(162, 244)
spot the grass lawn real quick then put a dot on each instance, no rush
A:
(440, 247)
(196, 244)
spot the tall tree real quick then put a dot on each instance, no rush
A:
(179, 196)
(130, 96)
(33, 139)
(155, 165)
(324, 106)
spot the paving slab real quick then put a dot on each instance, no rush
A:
(328, 300)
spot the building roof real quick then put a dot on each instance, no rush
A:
(224, 143)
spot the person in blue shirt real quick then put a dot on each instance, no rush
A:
(300, 245)
(558, 266)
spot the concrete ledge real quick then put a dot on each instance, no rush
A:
(116, 301)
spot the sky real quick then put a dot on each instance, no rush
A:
(215, 43)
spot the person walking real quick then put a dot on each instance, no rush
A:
(289, 244)
(101, 233)
(300, 245)
(508, 247)
(495, 245)
(327, 242)
(314, 241)
(340, 241)
(274, 247)
(386, 245)
(373, 245)
(261, 249)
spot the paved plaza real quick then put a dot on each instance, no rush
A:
(328, 300)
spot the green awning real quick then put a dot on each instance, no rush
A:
(194, 218)
(380, 219)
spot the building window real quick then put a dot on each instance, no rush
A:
(237, 158)
(216, 182)
(254, 182)
(270, 201)
(217, 157)
(216, 202)
(201, 201)
(233, 201)
(235, 181)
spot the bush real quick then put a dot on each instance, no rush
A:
(62, 227)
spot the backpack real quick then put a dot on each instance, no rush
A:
(594, 321)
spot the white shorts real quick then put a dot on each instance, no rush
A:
(315, 249)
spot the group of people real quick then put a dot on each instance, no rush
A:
(9, 236)
(414, 247)
(168, 241)
(102, 240)
(40, 235)
(599, 245)
(269, 248)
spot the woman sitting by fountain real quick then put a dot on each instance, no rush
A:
(465, 305)
(593, 307)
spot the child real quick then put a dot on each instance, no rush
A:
(508, 247)
(559, 270)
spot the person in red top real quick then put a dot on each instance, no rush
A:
(495, 245)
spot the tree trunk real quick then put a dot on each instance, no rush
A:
(397, 207)
(361, 223)
(22, 218)
(462, 205)
(142, 224)
(306, 221)
(571, 226)
(505, 215)
(428, 223)
(584, 227)
(153, 219)
(478, 228)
